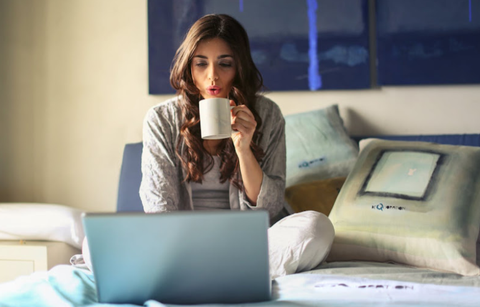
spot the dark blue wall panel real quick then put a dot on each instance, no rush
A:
(423, 42)
(296, 44)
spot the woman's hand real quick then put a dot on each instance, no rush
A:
(243, 125)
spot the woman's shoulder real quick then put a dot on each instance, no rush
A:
(168, 110)
(169, 105)
(268, 109)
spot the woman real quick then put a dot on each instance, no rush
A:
(181, 171)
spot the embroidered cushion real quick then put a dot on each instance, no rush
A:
(414, 203)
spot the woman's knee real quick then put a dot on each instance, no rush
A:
(299, 242)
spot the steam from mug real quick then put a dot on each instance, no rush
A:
(215, 120)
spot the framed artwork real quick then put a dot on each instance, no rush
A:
(296, 45)
(428, 42)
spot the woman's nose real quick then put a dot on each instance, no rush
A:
(212, 74)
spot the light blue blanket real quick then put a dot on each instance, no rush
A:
(70, 286)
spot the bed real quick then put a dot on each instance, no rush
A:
(339, 175)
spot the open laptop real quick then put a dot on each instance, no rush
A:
(185, 257)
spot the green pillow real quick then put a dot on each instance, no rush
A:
(414, 203)
(318, 146)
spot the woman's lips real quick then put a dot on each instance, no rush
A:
(213, 90)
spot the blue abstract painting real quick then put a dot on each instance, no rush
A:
(296, 44)
(428, 42)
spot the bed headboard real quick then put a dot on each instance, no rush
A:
(128, 199)
(448, 139)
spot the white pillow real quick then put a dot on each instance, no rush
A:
(32, 221)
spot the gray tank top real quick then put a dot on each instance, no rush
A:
(211, 194)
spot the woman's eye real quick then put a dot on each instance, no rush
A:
(226, 64)
(200, 64)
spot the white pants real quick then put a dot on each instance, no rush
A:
(296, 243)
(299, 242)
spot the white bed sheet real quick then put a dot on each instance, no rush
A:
(335, 284)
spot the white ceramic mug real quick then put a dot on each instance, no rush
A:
(215, 120)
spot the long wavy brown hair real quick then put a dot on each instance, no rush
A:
(246, 85)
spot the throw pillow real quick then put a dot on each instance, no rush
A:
(318, 195)
(414, 203)
(318, 146)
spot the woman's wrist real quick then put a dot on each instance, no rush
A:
(245, 153)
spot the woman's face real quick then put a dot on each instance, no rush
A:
(213, 68)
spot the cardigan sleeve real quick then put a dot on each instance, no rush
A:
(273, 164)
(160, 186)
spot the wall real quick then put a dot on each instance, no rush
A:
(73, 91)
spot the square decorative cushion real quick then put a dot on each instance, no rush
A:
(318, 146)
(318, 195)
(414, 203)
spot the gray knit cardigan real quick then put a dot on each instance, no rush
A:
(163, 189)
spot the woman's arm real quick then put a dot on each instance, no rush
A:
(252, 176)
(264, 183)
(244, 125)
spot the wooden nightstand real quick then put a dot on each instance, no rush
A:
(25, 257)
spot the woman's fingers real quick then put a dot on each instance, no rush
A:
(244, 123)
(243, 112)
(247, 124)
(244, 117)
